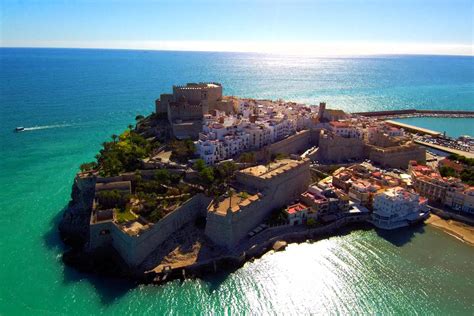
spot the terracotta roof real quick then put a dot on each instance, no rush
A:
(295, 208)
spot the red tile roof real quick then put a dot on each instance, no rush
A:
(295, 208)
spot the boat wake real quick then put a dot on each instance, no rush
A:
(34, 128)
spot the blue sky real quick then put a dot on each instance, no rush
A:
(236, 25)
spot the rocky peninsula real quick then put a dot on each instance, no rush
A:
(208, 182)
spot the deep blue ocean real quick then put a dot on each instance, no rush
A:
(72, 100)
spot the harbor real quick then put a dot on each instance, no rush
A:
(392, 114)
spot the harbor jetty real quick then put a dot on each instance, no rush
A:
(414, 129)
(416, 113)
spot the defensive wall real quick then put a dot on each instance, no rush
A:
(334, 148)
(130, 176)
(293, 144)
(396, 156)
(135, 248)
(277, 188)
(257, 246)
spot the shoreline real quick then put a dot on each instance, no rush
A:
(456, 229)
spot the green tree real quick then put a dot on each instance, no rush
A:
(139, 117)
(199, 165)
(447, 172)
(162, 176)
(207, 175)
(467, 176)
(226, 169)
(248, 157)
(182, 150)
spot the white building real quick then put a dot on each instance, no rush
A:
(397, 207)
(343, 129)
(297, 213)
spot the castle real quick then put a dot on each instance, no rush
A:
(187, 105)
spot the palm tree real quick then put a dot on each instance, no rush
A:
(114, 137)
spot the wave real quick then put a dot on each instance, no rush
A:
(34, 128)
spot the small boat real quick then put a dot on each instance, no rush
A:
(19, 129)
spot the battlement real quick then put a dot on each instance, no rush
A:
(200, 85)
(274, 169)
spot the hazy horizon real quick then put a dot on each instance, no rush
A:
(303, 27)
(455, 50)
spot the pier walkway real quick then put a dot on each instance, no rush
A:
(414, 129)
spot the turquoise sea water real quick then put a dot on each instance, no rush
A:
(454, 127)
(74, 99)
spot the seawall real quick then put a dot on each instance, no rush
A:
(234, 261)
(416, 113)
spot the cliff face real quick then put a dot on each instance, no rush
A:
(74, 225)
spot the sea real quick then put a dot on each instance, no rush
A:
(72, 100)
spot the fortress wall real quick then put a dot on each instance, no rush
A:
(227, 230)
(152, 238)
(161, 105)
(281, 191)
(219, 228)
(293, 144)
(190, 129)
(134, 249)
(226, 106)
(185, 112)
(397, 157)
(98, 240)
(337, 149)
(198, 93)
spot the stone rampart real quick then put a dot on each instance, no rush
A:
(293, 144)
(333, 148)
(396, 157)
(134, 249)
(277, 191)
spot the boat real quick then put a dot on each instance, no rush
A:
(19, 129)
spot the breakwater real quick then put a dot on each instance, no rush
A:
(416, 113)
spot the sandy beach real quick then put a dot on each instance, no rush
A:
(457, 229)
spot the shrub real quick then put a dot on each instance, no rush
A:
(112, 199)
(311, 223)
(182, 150)
(88, 166)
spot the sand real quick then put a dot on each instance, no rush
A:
(457, 229)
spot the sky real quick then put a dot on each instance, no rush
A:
(300, 26)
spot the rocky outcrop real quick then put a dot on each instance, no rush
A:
(74, 225)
